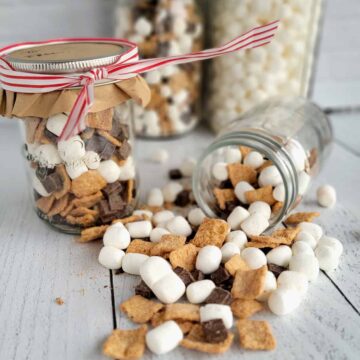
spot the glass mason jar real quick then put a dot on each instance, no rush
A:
(292, 135)
(165, 28)
(282, 68)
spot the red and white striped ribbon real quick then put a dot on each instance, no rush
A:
(126, 66)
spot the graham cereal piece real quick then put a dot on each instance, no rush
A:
(109, 138)
(245, 150)
(85, 220)
(139, 309)
(45, 203)
(249, 284)
(266, 164)
(266, 239)
(60, 169)
(67, 210)
(297, 218)
(211, 232)
(195, 340)
(261, 194)
(88, 183)
(188, 312)
(287, 236)
(59, 301)
(167, 244)
(236, 263)
(223, 196)
(130, 219)
(88, 201)
(277, 207)
(240, 172)
(93, 233)
(185, 326)
(184, 257)
(100, 120)
(158, 318)
(245, 308)
(312, 158)
(255, 335)
(126, 344)
(261, 245)
(129, 190)
(39, 132)
(59, 205)
(80, 211)
(31, 124)
(140, 247)
(153, 209)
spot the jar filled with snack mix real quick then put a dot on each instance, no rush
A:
(165, 28)
(263, 161)
(283, 68)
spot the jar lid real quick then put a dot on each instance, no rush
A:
(65, 57)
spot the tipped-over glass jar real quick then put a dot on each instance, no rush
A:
(263, 161)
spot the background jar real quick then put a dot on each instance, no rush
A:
(292, 134)
(282, 68)
(165, 28)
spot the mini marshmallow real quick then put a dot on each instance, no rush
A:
(303, 181)
(155, 197)
(196, 216)
(255, 224)
(307, 238)
(198, 291)
(188, 166)
(269, 287)
(162, 217)
(38, 186)
(157, 233)
(228, 250)
(179, 226)
(153, 78)
(297, 154)
(253, 257)
(171, 191)
(143, 26)
(72, 149)
(208, 259)
(260, 207)
(127, 171)
(306, 264)
(236, 217)
(169, 288)
(313, 229)
(146, 213)
(111, 257)
(76, 169)
(326, 196)
(217, 311)
(270, 176)
(47, 155)
(180, 97)
(237, 237)
(91, 160)
(109, 170)
(220, 171)
(139, 229)
(254, 159)
(117, 236)
(301, 247)
(333, 243)
(283, 300)
(164, 338)
(279, 193)
(233, 155)
(56, 123)
(240, 189)
(327, 257)
(160, 156)
(295, 280)
(132, 262)
(280, 256)
(153, 269)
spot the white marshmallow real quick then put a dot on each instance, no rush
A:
(179, 226)
(333, 243)
(236, 217)
(165, 91)
(327, 257)
(72, 149)
(303, 181)
(306, 264)
(279, 192)
(280, 255)
(109, 170)
(270, 176)
(143, 27)
(153, 269)
(217, 311)
(196, 216)
(146, 213)
(164, 338)
(295, 280)
(188, 166)
(269, 286)
(169, 288)
(208, 259)
(297, 154)
(132, 262)
(260, 207)
(91, 160)
(127, 171)
(117, 236)
(254, 159)
(157, 233)
(283, 301)
(160, 156)
(76, 169)
(313, 229)
(47, 155)
(307, 238)
(228, 250)
(253, 257)
(302, 247)
(38, 186)
(139, 229)
(237, 237)
(220, 171)
(240, 189)
(162, 217)
(326, 196)
(255, 224)
(171, 191)
(155, 197)
(198, 291)
(153, 77)
(111, 257)
(180, 97)
(180, 26)
(233, 155)
(56, 123)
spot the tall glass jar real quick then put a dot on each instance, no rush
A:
(238, 82)
(269, 154)
(165, 28)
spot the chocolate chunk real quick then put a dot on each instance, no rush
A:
(143, 290)
(49, 135)
(191, 27)
(99, 144)
(120, 131)
(184, 275)
(119, 271)
(175, 174)
(219, 296)
(124, 150)
(226, 184)
(163, 48)
(183, 198)
(42, 172)
(106, 214)
(116, 202)
(220, 275)
(186, 116)
(230, 206)
(214, 331)
(115, 187)
(52, 182)
(227, 285)
(197, 275)
(276, 269)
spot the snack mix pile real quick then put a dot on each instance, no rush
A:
(199, 274)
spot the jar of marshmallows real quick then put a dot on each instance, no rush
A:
(262, 163)
(282, 68)
(165, 28)
(89, 178)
